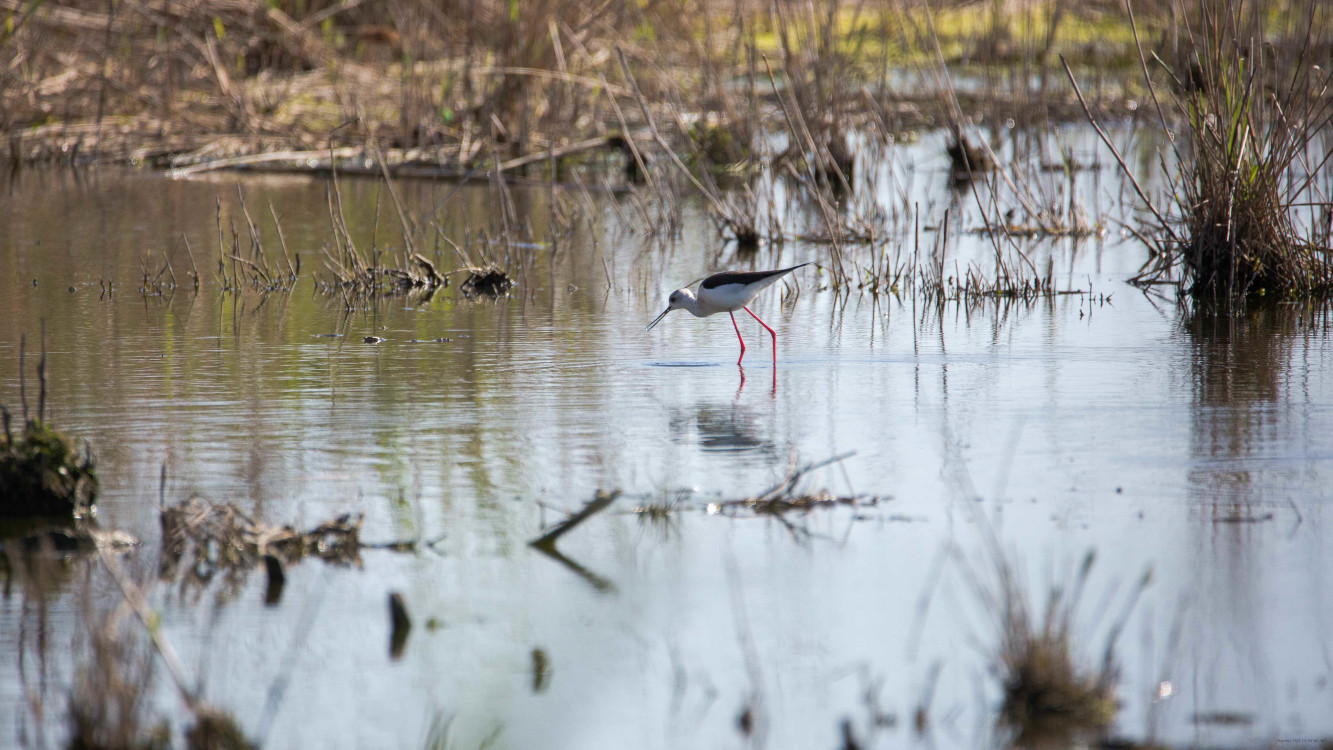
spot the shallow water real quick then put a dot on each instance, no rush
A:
(1200, 449)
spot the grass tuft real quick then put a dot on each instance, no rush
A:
(1048, 693)
(1246, 136)
(1253, 115)
(1044, 689)
(215, 730)
(41, 473)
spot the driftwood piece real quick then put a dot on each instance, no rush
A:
(400, 163)
(570, 150)
(601, 501)
(239, 162)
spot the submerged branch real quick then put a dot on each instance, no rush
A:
(601, 501)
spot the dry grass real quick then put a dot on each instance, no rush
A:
(687, 97)
(202, 539)
(241, 263)
(208, 79)
(789, 501)
(459, 82)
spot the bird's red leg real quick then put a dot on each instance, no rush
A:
(771, 332)
(738, 336)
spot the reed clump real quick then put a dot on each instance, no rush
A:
(363, 275)
(1255, 116)
(214, 729)
(1044, 689)
(1048, 694)
(358, 274)
(738, 219)
(967, 159)
(1238, 239)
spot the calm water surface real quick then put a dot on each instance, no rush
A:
(1198, 448)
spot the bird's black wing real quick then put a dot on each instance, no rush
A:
(744, 277)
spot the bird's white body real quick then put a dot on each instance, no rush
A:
(727, 292)
(725, 298)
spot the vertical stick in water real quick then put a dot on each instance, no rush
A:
(41, 379)
(23, 383)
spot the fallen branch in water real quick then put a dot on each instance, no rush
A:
(784, 497)
(238, 162)
(601, 501)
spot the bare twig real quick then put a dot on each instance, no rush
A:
(601, 501)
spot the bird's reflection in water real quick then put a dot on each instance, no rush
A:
(721, 428)
(773, 389)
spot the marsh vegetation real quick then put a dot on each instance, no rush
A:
(363, 281)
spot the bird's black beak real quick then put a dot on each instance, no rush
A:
(658, 319)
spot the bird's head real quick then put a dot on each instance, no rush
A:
(679, 300)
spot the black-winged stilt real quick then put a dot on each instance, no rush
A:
(727, 292)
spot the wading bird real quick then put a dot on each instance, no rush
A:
(727, 292)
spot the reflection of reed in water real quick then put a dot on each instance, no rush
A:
(1238, 367)
(1245, 431)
